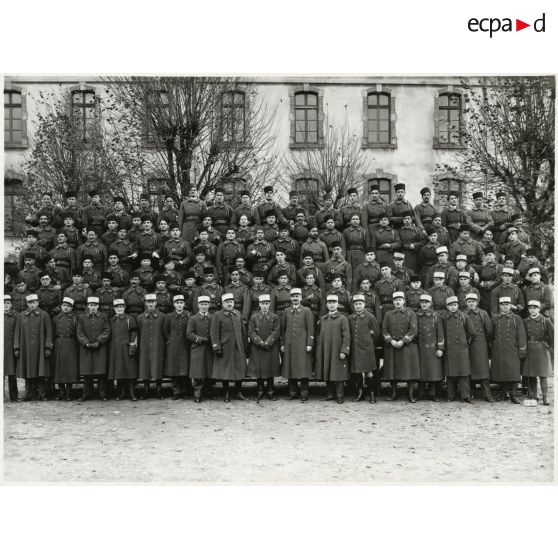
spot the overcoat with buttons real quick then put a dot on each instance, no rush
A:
(228, 335)
(458, 334)
(9, 330)
(152, 345)
(508, 347)
(65, 356)
(400, 364)
(93, 328)
(478, 349)
(540, 340)
(365, 337)
(123, 360)
(542, 293)
(264, 332)
(201, 353)
(189, 217)
(430, 339)
(297, 332)
(334, 340)
(175, 326)
(33, 334)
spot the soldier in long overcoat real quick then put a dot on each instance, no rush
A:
(536, 290)
(123, 362)
(478, 349)
(365, 337)
(458, 334)
(190, 215)
(509, 347)
(264, 331)
(10, 363)
(297, 342)
(430, 341)
(33, 348)
(540, 340)
(229, 341)
(177, 367)
(93, 333)
(201, 352)
(65, 358)
(400, 352)
(334, 346)
(151, 346)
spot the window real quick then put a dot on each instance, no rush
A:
(84, 110)
(378, 116)
(156, 187)
(383, 185)
(442, 190)
(306, 118)
(11, 189)
(157, 115)
(308, 192)
(448, 119)
(15, 120)
(233, 117)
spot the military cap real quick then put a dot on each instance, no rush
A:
(508, 271)
(385, 264)
(268, 189)
(414, 278)
(334, 276)
(219, 190)
(160, 277)
(454, 193)
(43, 214)
(92, 300)
(531, 252)
(442, 250)
(465, 227)
(425, 190)
(471, 296)
(244, 193)
(352, 191)
(270, 213)
(500, 194)
(258, 273)
(134, 274)
(465, 274)
(425, 298)
(203, 298)
(406, 213)
(67, 215)
(144, 196)
(461, 257)
(399, 186)
(68, 300)
(44, 274)
(282, 273)
(7, 297)
(264, 298)
(118, 199)
(398, 256)
(534, 303)
(93, 192)
(190, 274)
(439, 275)
(209, 270)
(359, 298)
(178, 297)
(227, 296)
(150, 296)
(335, 244)
(29, 255)
(31, 297)
(293, 194)
(118, 302)
(516, 217)
(332, 298)
(31, 232)
(477, 195)
(504, 299)
(295, 291)
(173, 226)
(451, 300)
(398, 294)
(533, 270)
(70, 194)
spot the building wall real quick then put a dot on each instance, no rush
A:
(413, 161)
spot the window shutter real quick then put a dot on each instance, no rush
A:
(436, 121)
(392, 120)
(365, 118)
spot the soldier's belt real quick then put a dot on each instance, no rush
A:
(373, 221)
(356, 247)
(191, 219)
(62, 263)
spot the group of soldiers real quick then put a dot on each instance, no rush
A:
(205, 293)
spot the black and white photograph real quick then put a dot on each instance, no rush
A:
(279, 278)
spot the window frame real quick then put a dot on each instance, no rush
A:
(379, 89)
(306, 89)
(232, 123)
(440, 198)
(438, 110)
(379, 174)
(311, 206)
(24, 142)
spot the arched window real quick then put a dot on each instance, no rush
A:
(383, 185)
(233, 116)
(84, 109)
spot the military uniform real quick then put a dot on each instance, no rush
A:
(439, 296)
(214, 292)
(385, 235)
(312, 297)
(152, 347)
(395, 212)
(371, 213)
(177, 362)
(10, 363)
(471, 248)
(542, 293)
(289, 247)
(179, 251)
(317, 248)
(319, 218)
(201, 353)
(501, 217)
(347, 212)
(133, 297)
(452, 219)
(430, 339)
(366, 270)
(79, 294)
(276, 270)
(479, 219)
(490, 275)
(338, 265)
(164, 300)
(65, 257)
(65, 357)
(479, 349)
(538, 363)
(124, 248)
(227, 252)
(49, 300)
(94, 250)
(189, 217)
(280, 299)
(94, 217)
(262, 259)
(451, 275)
(242, 299)
(329, 236)
(106, 297)
(264, 331)
(424, 214)
(221, 216)
(513, 291)
(255, 293)
(384, 290)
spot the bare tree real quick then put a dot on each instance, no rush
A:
(200, 131)
(337, 165)
(510, 140)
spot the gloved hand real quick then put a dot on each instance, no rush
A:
(95, 345)
(48, 352)
(16, 353)
(132, 350)
(522, 355)
(219, 353)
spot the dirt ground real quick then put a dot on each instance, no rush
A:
(277, 442)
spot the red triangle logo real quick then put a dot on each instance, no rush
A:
(519, 25)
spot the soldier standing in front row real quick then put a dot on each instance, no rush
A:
(10, 364)
(400, 352)
(540, 339)
(229, 341)
(33, 348)
(93, 332)
(264, 331)
(65, 357)
(509, 348)
(334, 345)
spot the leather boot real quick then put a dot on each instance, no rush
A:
(68, 392)
(270, 393)
(160, 390)
(61, 392)
(238, 389)
(411, 392)
(359, 395)
(329, 396)
(393, 395)
(132, 389)
(145, 394)
(227, 396)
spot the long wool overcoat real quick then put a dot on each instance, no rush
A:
(479, 347)
(365, 337)
(508, 346)
(178, 347)
(65, 356)
(458, 334)
(400, 364)
(297, 332)
(201, 353)
(123, 360)
(93, 328)
(228, 335)
(264, 332)
(151, 345)
(430, 338)
(335, 338)
(540, 339)
(33, 334)
(10, 362)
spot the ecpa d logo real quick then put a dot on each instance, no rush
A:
(493, 25)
